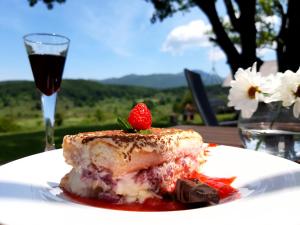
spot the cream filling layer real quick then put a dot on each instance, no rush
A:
(133, 191)
(126, 186)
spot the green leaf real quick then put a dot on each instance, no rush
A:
(124, 125)
(144, 132)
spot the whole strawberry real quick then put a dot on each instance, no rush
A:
(140, 117)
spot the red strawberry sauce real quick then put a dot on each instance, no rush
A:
(150, 205)
(222, 185)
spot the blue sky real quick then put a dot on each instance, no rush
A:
(108, 39)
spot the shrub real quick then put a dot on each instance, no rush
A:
(8, 124)
(99, 115)
(59, 119)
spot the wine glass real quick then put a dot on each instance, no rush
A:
(47, 54)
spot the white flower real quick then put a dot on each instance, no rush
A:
(246, 91)
(290, 91)
(249, 88)
(270, 86)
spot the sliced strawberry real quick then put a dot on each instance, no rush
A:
(227, 180)
(224, 190)
(222, 185)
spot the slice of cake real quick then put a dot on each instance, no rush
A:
(123, 167)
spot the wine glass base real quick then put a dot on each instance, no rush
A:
(49, 148)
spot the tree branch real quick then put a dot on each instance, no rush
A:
(281, 37)
(48, 3)
(230, 10)
(283, 20)
(233, 57)
(248, 32)
(213, 40)
(289, 37)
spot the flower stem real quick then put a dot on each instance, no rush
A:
(278, 110)
(276, 116)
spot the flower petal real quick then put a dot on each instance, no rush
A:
(238, 94)
(253, 68)
(249, 108)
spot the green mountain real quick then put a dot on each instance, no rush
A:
(83, 102)
(80, 92)
(88, 92)
(162, 81)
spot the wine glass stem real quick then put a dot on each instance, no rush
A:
(48, 105)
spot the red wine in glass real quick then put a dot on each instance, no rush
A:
(47, 71)
(47, 55)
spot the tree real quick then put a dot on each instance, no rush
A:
(241, 29)
(49, 3)
(245, 32)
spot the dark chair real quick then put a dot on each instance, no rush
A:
(200, 98)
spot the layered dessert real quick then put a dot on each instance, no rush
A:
(138, 164)
(122, 167)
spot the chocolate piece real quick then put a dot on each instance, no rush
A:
(193, 191)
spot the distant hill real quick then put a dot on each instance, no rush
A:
(162, 81)
(79, 92)
(88, 92)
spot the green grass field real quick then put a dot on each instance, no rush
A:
(16, 145)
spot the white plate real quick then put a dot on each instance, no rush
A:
(270, 188)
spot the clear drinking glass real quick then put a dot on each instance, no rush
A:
(272, 129)
(47, 55)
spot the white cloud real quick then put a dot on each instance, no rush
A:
(263, 51)
(108, 27)
(266, 51)
(272, 19)
(226, 19)
(191, 35)
(216, 54)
